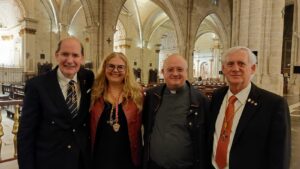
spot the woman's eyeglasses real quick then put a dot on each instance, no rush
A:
(111, 67)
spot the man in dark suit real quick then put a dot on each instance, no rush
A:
(249, 126)
(54, 130)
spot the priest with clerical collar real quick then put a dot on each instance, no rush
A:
(173, 117)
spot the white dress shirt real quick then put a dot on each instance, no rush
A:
(63, 83)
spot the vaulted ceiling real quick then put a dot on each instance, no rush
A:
(10, 14)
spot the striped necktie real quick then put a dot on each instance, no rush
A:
(72, 99)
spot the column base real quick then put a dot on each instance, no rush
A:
(270, 82)
(294, 85)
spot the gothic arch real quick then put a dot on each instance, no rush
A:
(88, 12)
(168, 8)
(12, 12)
(21, 7)
(120, 27)
(216, 26)
(52, 13)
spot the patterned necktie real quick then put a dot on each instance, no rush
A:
(221, 154)
(72, 99)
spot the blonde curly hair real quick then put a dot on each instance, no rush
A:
(131, 89)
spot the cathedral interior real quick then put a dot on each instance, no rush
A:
(147, 31)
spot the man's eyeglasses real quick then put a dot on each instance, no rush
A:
(111, 67)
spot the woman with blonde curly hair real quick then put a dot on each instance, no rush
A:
(116, 115)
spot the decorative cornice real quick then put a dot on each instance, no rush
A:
(28, 20)
(27, 31)
(7, 37)
(126, 46)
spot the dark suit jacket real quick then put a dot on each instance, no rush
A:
(263, 136)
(48, 137)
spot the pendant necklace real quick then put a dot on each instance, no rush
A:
(115, 123)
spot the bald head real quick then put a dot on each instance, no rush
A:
(71, 38)
(175, 58)
(175, 71)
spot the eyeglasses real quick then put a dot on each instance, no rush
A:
(111, 67)
(174, 69)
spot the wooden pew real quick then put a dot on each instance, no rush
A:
(18, 91)
(6, 89)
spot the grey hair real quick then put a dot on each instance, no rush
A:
(251, 56)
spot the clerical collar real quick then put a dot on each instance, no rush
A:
(173, 91)
(176, 91)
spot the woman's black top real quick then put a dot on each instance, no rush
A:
(112, 149)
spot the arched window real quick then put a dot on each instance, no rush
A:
(10, 41)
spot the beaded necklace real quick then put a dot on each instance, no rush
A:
(114, 122)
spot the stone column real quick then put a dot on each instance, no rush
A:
(63, 30)
(93, 49)
(259, 25)
(216, 58)
(294, 83)
(271, 48)
(144, 62)
(28, 36)
(235, 22)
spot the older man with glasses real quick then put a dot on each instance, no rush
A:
(174, 121)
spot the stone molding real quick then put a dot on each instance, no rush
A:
(27, 31)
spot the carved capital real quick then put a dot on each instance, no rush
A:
(27, 31)
(7, 37)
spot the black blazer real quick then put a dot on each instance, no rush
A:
(48, 137)
(263, 137)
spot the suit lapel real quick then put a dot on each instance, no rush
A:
(82, 83)
(55, 92)
(251, 107)
(217, 100)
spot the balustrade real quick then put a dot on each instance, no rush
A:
(4, 105)
(11, 74)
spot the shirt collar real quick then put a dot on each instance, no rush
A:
(179, 90)
(64, 80)
(242, 95)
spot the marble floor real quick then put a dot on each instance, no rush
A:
(294, 105)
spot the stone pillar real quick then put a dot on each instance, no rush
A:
(235, 22)
(63, 30)
(259, 25)
(294, 83)
(271, 48)
(216, 58)
(244, 22)
(93, 49)
(211, 68)
(144, 66)
(28, 36)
